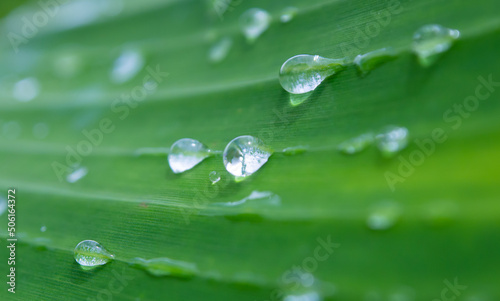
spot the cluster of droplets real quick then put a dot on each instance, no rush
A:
(389, 141)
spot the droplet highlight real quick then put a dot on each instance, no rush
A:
(40, 130)
(294, 150)
(161, 267)
(303, 73)
(76, 175)
(186, 153)
(383, 215)
(392, 140)
(356, 144)
(126, 66)
(90, 253)
(43, 228)
(430, 41)
(254, 22)
(288, 14)
(311, 296)
(220, 50)
(245, 155)
(369, 61)
(214, 177)
(26, 89)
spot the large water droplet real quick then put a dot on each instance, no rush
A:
(26, 89)
(392, 140)
(430, 41)
(126, 66)
(288, 14)
(77, 175)
(356, 144)
(383, 215)
(244, 155)
(165, 267)
(368, 61)
(297, 99)
(214, 177)
(90, 253)
(254, 22)
(186, 153)
(303, 73)
(220, 50)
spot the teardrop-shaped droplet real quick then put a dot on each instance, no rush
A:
(165, 267)
(356, 144)
(392, 140)
(368, 61)
(254, 22)
(186, 153)
(214, 177)
(297, 99)
(90, 253)
(383, 215)
(430, 41)
(288, 14)
(220, 50)
(303, 73)
(244, 155)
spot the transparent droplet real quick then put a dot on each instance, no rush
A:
(3, 205)
(257, 203)
(26, 89)
(294, 150)
(165, 267)
(303, 73)
(430, 41)
(245, 155)
(254, 22)
(310, 296)
(368, 61)
(383, 215)
(214, 177)
(356, 144)
(262, 198)
(220, 50)
(126, 66)
(90, 253)
(297, 99)
(11, 129)
(392, 140)
(186, 153)
(77, 175)
(288, 14)
(43, 229)
(40, 130)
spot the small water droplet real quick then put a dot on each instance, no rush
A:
(310, 296)
(368, 61)
(256, 204)
(392, 140)
(294, 150)
(43, 229)
(90, 253)
(288, 14)
(356, 144)
(26, 89)
(77, 175)
(40, 130)
(383, 215)
(3, 205)
(263, 198)
(186, 153)
(126, 66)
(297, 99)
(11, 129)
(67, 64)
(245, 155)
(165, 267)
(214, 177)
(303, 73)
(254, 22)
(220, 50)
(430, 41)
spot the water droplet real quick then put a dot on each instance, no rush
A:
(219, 51)
(430, 41)
(77, 175)
(368, 61)
(165, 267)
(441, 212)
(294, 150)
(257, 203)
(254, 22)
(43, 229)
(3, 205)
(311, 296)
(90, 253)
(392, 140)
(11, 130)
(356, 144)
(126, 66)
(245, 155)
(67, 64)
(26, 89)
(186, 153)
(383, 215)
(214, 177)
(288, 14)
(40, 130)
(303, 73)
(297, 99)
(264, 197)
